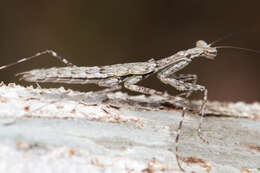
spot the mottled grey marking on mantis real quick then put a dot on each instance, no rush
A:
(128, 75)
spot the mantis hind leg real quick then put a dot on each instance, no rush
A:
(51, 52)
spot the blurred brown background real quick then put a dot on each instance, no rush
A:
(107, 32)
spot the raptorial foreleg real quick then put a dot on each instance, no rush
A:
(182, 85)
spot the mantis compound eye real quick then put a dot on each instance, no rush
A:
(201, 44)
